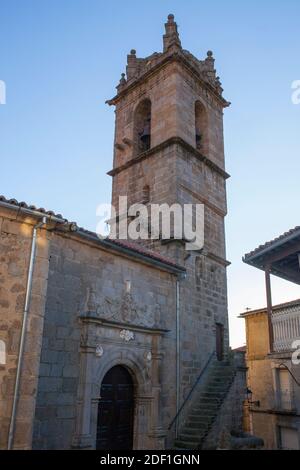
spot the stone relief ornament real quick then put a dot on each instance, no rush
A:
(148, 356)
(91, 300)
(84, 339)
(99, 351)
(124, 309)
(127, 335)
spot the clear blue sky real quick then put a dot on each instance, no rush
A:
(61, 59)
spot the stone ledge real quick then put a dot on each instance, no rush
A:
(114, 324)
(162, 146)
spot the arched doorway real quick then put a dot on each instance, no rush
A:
(115, 411)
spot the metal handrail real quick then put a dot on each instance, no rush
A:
(192, 390)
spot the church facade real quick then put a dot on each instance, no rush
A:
(117, 332)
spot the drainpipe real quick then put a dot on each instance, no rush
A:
(23, 332)
(179, 278)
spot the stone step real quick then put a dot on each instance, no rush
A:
(196, 428)
(203, 422)
(198, 418)
(208, 417)
(179, 444)
(211, 397)
(191, 438)
(211, 393)
(202, 405)
(219, 382)
(203, 409)
(220, 378)
(215, 389)
(194, 433)
(221, 370)
(218, 368)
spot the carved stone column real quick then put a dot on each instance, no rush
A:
(157, 433)
(82, 437)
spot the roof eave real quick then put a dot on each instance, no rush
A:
(250, 258)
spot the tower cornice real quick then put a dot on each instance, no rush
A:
(162, 146)
(174, 54)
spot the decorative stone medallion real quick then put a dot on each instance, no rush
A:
(148, 356)
(127, 335)
(99, 351)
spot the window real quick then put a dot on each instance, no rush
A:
(142, 127)
(2, 352)
(201, 126)
(289, 438)
(284, 389)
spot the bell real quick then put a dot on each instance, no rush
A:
(145, 135)
(198, 139)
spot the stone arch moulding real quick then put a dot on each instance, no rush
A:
(142, 393)
(201, 127)
(93, 370)
(131, 362)
(142, 119)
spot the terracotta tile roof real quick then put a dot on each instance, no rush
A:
(23, 204)
(145, 251)
(282, 238)
(130, 246)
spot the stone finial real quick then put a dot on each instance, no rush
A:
(171, 37)
(122, 82)
(219, 85)
(210, 59)
(123, 79)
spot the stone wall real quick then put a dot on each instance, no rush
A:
(88, 282)
(15, 244)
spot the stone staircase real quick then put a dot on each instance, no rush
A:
(206, 406)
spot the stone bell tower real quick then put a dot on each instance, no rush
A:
(169, 149)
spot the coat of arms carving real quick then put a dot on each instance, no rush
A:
(124, 309)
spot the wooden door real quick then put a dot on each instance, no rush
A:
(115, 411)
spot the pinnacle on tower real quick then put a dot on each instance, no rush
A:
(171, 37)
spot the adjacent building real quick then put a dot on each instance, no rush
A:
(273, 354)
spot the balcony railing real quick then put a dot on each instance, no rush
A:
(286, 328)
